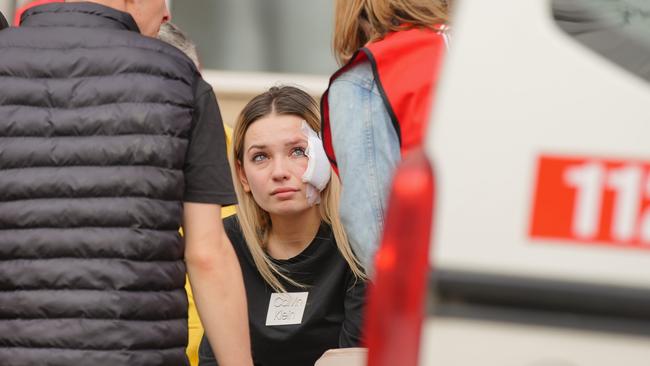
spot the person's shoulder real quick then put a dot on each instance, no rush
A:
(203, 87)
(327, 241)
(235, 234)
(325, 233)
(204, 97)
(232, 227)
(354, 82)
(359, 75)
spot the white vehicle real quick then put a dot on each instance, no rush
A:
(538, 156)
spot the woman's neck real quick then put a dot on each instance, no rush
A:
(290, 235)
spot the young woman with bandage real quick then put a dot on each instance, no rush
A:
(304, 285)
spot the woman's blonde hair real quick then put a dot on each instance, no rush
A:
(361, 21)
(254, 221)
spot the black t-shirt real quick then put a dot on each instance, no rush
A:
(332, 314)
(207, 172)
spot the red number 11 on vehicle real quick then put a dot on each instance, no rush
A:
(592, 201)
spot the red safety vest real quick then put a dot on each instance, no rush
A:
(405, 65)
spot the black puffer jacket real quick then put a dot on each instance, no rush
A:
(3, 22)
(94, 126)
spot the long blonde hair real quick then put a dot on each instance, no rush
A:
(254, 221)
(361, 21)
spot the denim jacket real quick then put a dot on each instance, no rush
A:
(367, 152)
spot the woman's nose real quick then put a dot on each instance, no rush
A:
(280, 169)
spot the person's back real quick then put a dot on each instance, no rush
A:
(94, 127)
(376, 109)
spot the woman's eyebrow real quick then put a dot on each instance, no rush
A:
(260, 147)
(295, 141)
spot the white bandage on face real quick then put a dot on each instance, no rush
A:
(318, 170)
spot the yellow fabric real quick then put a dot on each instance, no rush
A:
(194, 326)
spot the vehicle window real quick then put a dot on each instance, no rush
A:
(619, 30)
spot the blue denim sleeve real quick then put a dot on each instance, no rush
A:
(367, 151)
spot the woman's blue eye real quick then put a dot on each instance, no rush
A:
(258, 157)
(298, 151)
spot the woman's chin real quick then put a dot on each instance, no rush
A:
(289, 208)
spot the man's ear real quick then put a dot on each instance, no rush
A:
(242, 177)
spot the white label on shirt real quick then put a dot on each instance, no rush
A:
(286, 308)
